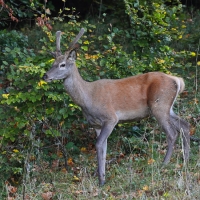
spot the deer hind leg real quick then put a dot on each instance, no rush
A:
(172, 135)
(163, 117)
(184, 128)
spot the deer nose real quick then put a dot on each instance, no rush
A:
(45, 77)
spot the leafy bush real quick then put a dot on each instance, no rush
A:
(27, 102)
(13, 50)
(34, 110)
(153, 29)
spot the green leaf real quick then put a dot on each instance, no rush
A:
(7, 49)
(5, 63)
(85, 48)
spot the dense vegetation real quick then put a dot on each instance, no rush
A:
(46, 146)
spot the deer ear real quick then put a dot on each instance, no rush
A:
(72, 55)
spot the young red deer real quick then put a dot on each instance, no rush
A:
(107, 102)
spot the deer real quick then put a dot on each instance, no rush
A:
(107, 102)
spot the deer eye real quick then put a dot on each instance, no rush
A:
(62, 65)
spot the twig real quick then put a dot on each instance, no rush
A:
(60, 144)
(63, 152)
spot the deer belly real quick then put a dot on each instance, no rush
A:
(130, 115)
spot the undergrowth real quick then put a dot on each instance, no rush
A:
(47, 148)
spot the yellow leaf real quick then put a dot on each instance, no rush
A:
(64, 170)
(114, 48)
(146, 188)
(166, 194)
(15, 151)
(75, 178)
(86, 42)
(193, 54)
(83, 149)
(42, 83)
(87, 56)
(180, 37)
(5, 96)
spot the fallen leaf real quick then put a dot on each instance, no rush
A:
(121, 155)
(151, 161)
(27, 197)
(83, 149)
(79, 192)
(55, 164)
(146, 188)
(140, 193)
(47, 195)
(10, 198)
(76, 179)
(59, 154)
(70, 162)
(12, 189)
(192, 130)
(64, 170)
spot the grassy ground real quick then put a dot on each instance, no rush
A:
(134, 169)
(129, 177)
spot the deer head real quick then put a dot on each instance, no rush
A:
(63, 64)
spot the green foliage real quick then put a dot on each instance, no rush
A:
(31, 107)
(153, 29)
(35, 113)
(13, 48)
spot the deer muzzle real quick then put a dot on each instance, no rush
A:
(46, 78)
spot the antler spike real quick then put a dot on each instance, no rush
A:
(58, 36)
(81, 32)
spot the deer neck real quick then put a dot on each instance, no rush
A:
(76, 87)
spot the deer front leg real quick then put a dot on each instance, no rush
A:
(104, 148)
(101, 147)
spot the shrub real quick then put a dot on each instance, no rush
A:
(33, 110)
